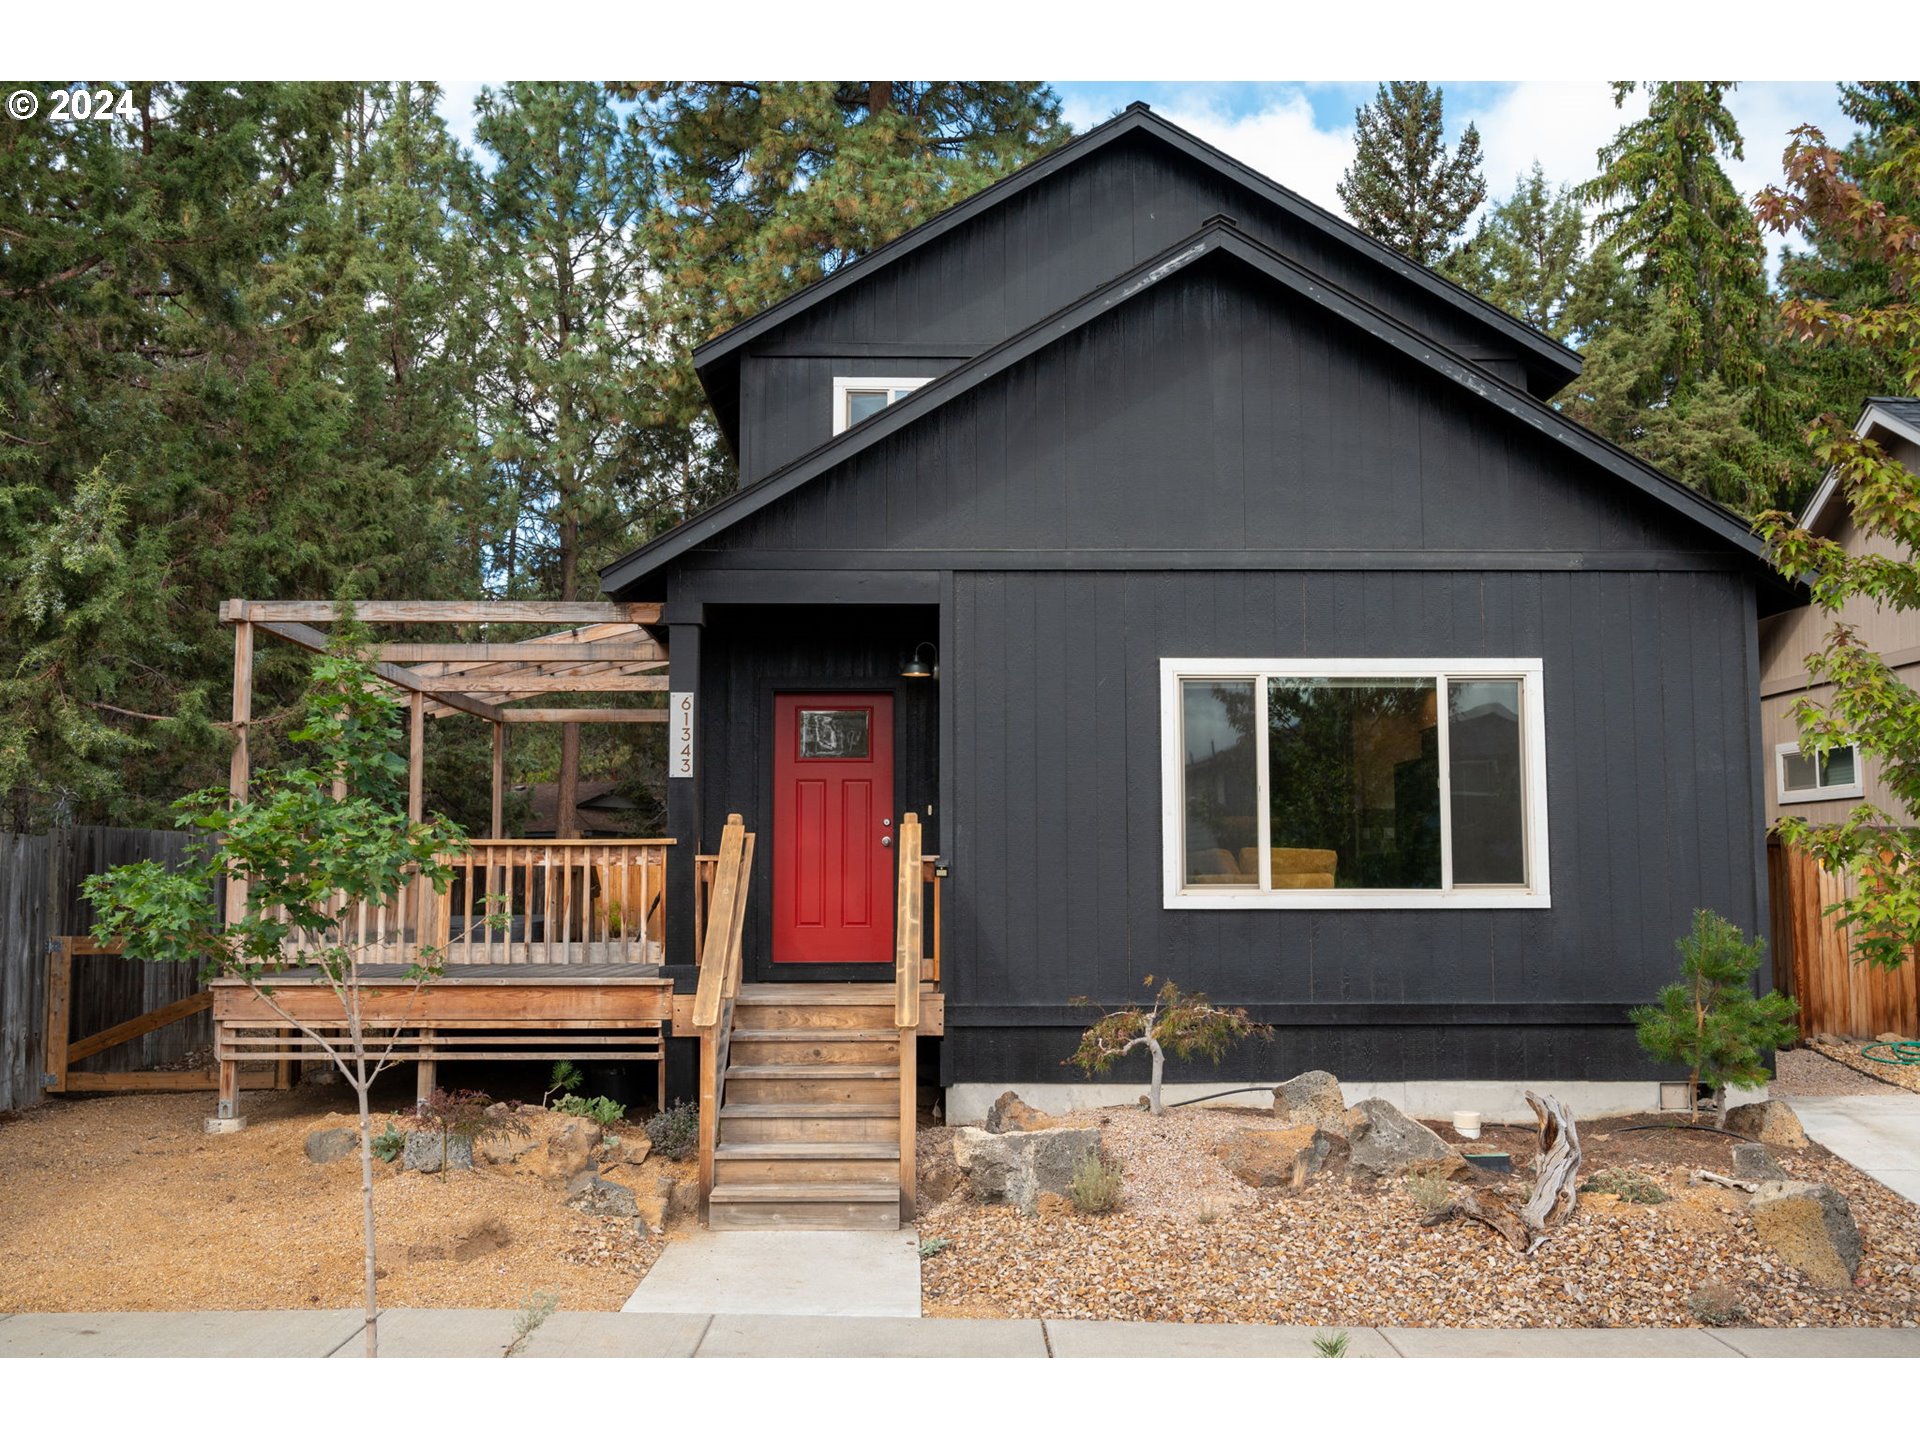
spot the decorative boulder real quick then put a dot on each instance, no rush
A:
(572, 1150)
(1268, 1158)
(939, 1176)
(1753, 1161)
(590, 1193)
(1010, 1113)
(326, 1146)
(1386, 1143)
(424, 1152)
(1311, 1099)
(1018, 1167)
(1810, 1227)
(1771, 1121)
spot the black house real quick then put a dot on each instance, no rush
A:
(1223, 593)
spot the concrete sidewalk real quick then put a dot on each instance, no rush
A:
(1879, 1134)
(423, 1334)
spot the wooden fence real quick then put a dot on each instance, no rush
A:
(40, 899)
(1813, 961)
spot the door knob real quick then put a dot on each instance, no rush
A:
(885, 841)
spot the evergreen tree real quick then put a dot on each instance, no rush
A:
(1528, 256)
(562, 219)
(1405, 188)
(769, 186)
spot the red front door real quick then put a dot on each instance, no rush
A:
(833, 829)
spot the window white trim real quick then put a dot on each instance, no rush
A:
(1854, 790)
(843, 384)
(1536, 895)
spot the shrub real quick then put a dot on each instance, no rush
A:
(1717, 1304)
(1095, 1186)
(597, 1108)
(564, 1080)
(1185, 1026)
(1629, 1185)
(1429, 1188)
(675, 1131)
(389, 1143)
(468, 1114)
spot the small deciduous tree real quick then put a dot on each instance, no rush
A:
(1711, 1020)
(1188, 1027)
(309, 861)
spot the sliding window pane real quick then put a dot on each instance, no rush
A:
(1354, 766)
(1485, 761)
(1222, 801)
(1838, 767)
(864, 404)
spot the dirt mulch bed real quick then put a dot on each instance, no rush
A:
(1194, 1244)
(1806, 1071)
(122, 1203)
(1848, 1053)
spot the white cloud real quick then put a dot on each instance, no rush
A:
(1560, 123)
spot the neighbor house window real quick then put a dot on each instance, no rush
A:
(1832, 776)
(857, 398)
(1354, 784)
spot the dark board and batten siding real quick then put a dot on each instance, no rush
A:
(1026, 258)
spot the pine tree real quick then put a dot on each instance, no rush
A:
(1405, 188)
(1528, 256)
(769, 186)
(1711, 1021)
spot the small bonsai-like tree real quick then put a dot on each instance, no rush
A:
(1188, 1027)
(1711, 1020)
(309, 860)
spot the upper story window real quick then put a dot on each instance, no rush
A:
(856, 397)
(1832, 776)
(1353, 784)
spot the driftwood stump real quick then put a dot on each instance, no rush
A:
(1557, 1171)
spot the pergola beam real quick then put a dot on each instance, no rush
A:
(641, 651)
(585, 717)
(511, 684)
(308, 638)
(445, 612)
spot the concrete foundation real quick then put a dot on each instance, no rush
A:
(216, 1126)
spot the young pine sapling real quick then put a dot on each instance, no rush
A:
(1188, 1027)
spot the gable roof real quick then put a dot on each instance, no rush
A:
(717, 360)
(1896, 414)
(1217, 238)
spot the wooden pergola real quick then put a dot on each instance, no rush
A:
(607, 650)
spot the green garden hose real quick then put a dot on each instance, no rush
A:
(1900, 1052)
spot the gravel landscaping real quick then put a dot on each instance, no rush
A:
(1192, 1243)
(122, 1203)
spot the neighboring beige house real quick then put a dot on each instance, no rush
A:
(1826, 789)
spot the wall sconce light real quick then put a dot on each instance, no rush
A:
(918, 669)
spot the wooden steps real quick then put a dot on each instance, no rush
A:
(809, 1128)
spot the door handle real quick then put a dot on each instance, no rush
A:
(886, 841)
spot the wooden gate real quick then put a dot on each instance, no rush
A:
(1813, 961)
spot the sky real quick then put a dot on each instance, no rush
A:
(1301, 133)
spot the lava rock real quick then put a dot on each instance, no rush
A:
(1810, 1227)
(1753, 1161)
(596, 1196)
(1265, 1159)
(1311, 1099)
(1011, 1114)
(1018, 1167)
(326, 1146)
(939, 1177)
(573, 1150)
(1772, 1121)
(424, 1152)
(1386, 1142)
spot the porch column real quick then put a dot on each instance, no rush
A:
(683, 789)
(240, 768)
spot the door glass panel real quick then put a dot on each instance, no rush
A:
(1354, 770)
(1221, 783)
(1484, 758)
(1838, 767)
(864, 403)
(834, 734)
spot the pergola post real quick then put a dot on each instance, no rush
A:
(240, 766)
(495, 824)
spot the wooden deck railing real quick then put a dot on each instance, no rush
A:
(534, 902)
(720, 963)
(910, 899)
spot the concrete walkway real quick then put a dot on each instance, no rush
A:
(410, 1334)
(784, 1272)
(1879, 1134)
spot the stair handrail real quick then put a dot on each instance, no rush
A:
(720, 967)
(909, 926)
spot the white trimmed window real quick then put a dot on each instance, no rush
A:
(858, 397)
(1353, 784)
(1803, 778)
